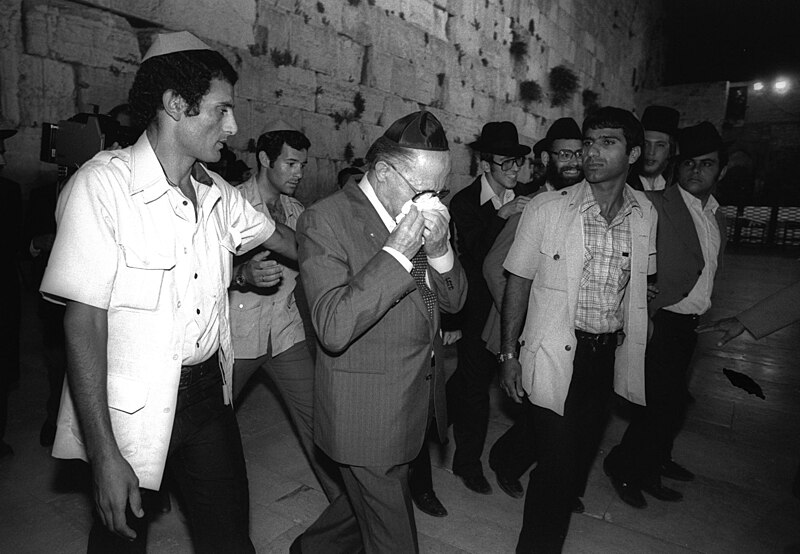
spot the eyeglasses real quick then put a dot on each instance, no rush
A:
(567, 155)
(420, 194)
(507, 165)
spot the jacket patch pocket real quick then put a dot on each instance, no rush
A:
(126, 399)
(138, 282)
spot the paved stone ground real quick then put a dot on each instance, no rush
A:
(744, 450)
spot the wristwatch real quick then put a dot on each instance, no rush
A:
(239, 279)
(503, 356)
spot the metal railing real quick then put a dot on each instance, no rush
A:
(768, 225)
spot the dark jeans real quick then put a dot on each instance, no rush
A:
(206, 463)
(566, 448)
(648, 441)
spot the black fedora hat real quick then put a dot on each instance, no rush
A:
(501, 138)
(662, 119)
(698, 140)
(7, 133)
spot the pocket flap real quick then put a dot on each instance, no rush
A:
(142, 258)
(126, 394)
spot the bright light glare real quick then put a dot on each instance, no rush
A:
(781, 85)
(758, 86)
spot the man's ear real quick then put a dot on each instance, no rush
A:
(263, 159)
(381, 169)
(545, 155)
(174, 104)
(636, 151)
(722, 173)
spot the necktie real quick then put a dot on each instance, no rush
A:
(420, 267)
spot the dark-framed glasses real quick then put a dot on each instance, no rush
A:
(507, 165)
(566, 155)
(420, 194)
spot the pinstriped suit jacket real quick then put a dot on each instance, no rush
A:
(373, 376)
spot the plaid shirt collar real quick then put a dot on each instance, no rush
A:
(629, 202)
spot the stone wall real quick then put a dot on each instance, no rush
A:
(695, 101)
(340, 70)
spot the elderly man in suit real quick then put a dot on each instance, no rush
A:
(377, 266)
(691, 239)
(577, 283)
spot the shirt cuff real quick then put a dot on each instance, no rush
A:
(405, 262)
(442, 264)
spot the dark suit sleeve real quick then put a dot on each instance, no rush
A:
(476, 228)
(345, 297)
(451, 288)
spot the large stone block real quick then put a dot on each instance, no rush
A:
(102, 87)
(294, 87)
(338, 100)
(46, 90)
(326, 139)
(74, 33)
(378, 69)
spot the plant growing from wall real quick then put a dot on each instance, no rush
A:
(282, 57)
(349, 153)
(359, 105)
(519, 46)
(591, 102)
(530, 91)
(563, 85)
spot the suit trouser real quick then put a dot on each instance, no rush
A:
(206, 462)
(566, 447)
(468, 408)
(377, 506)
(292, 371)
(648, 441)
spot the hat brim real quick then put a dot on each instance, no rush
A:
(513, 150)
(7, 133)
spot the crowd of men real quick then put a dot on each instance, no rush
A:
(178, 287)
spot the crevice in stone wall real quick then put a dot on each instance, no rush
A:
(365, 65)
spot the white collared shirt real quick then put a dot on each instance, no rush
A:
(656, 183)
(699, 299)
(442, 264)
(488, 194)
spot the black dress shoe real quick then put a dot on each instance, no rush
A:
(477, 483)
(657, 490)
(629, 493)
(578, 507)
(672, 470)
(509, 485)
(429, 503)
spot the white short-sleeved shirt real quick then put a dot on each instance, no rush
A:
(127, 242)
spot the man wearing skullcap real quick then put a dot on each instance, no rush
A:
(691, 239)
(377, 267)
(142, 258)
(660, 127)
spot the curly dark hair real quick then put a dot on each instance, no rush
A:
(188, 73)
(272, 143)
(617, 118)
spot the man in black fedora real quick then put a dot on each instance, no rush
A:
(479, 213)
(660, 128)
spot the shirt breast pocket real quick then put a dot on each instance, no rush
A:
(139, 280)
(552, 272)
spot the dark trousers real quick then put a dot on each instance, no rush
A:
(515, 451)
(468, 408)
(206, 463)
(375, 515)
(648, 441)
(566, 447)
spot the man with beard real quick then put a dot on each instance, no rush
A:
(660, 127)
(574, 318)
(561, 153)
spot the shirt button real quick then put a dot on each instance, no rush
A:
(185, 202)
(567, 348)
(195, 275)
(175, 357)
(166, 410)
(241, 306)
(197, 344)
(563, 193)
(198, 311)
(185, 250)
(428, 377)
(556, 256)
(179, 303)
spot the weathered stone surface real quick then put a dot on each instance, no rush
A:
(47, 90)
(101, 87)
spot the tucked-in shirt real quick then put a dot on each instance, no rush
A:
(442, 264)
(261, 318)
(488, 194)
(129, 243)
(705, 223)
(606, 265)
(656, 183)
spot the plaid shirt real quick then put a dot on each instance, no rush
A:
(606, 265)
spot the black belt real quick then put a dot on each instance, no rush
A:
(676, 315)
(599, 339)
(192, 373)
